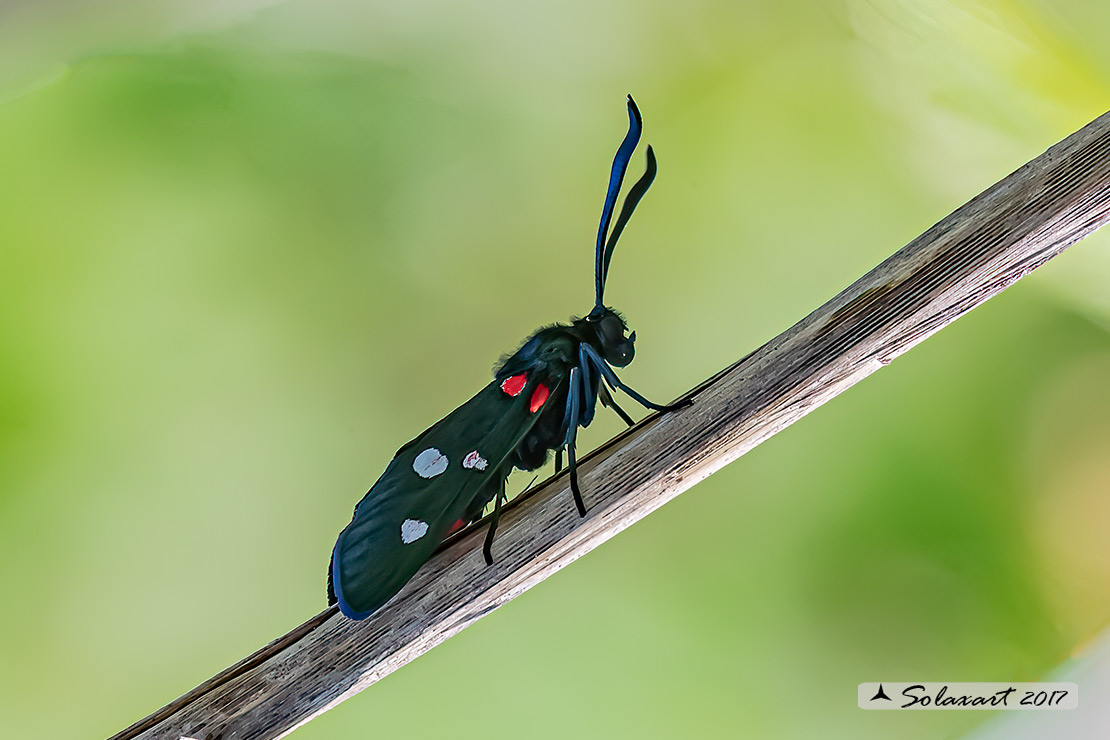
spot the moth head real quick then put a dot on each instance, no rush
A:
(613, 342)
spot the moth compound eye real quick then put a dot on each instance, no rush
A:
(611, 330)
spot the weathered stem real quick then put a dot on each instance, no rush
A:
(980, 249)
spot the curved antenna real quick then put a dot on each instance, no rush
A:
(616, 177)
(630, 203)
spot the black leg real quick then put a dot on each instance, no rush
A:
(558, 461)
(621, 413)
(643, 401)
(575, 491)
(672, 406)
(574, 396)
(487, 547)
(613, 380)
(608, 400)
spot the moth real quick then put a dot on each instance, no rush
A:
(539, 397)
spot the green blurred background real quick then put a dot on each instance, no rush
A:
(250, 248)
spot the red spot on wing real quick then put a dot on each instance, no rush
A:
(538, 397)
(514, 385)
(456, 527)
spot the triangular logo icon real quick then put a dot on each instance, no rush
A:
(880, 694)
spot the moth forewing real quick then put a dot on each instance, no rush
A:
(443, 477)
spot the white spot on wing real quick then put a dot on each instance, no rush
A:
(430, 463)
(474, 460)
(412, 530)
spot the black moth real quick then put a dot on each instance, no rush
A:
(540, 395)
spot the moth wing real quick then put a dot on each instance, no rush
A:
(430, 484)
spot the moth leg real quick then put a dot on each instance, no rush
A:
(558, 461)
(574, 489)
(487, 547)
(589, 385)
(648, 404)
(612, 379)
(608, 400)
(571, 419)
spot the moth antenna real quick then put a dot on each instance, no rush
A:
(630, 203)
(616, 177)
